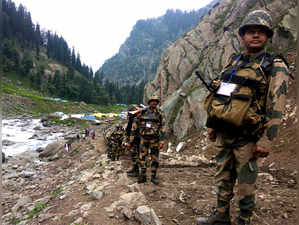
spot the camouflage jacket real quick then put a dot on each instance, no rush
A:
(273, 99)
(278, 80)
(149, 124)
(116, 137)
(132, 131)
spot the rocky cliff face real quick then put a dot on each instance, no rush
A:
(208, 47)
(138, 57)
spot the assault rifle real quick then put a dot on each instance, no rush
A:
(211, 87)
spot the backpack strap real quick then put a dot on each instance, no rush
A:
(232, 59)
(278, 58)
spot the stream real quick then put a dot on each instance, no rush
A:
(22, 135)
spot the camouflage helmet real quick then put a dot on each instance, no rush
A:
(257, 18)
(118, 126)
(153, 98)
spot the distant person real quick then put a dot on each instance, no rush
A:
(3, 157)
(78, 138)
(115, 139)
(69, 145)
(134, 147)
(86, 132)
(66, 146)
(93, 134)
(244, 116)
(151, 128)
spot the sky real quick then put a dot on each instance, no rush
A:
(97, 28)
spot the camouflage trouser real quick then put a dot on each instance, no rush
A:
(149, 148)
(135, 153)
(235, 162)
(114, 151)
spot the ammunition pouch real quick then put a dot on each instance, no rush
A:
(238, 110)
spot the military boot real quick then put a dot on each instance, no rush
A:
(141, 179)
(134, 172)
(217, 218)
(142, 176)
(155, 180)
(241, 221)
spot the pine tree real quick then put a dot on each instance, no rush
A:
(38, 40)
(73, 57)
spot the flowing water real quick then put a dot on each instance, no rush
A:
(21, 135)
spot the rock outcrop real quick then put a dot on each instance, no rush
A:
(208, 47)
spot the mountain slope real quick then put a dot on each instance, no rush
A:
(42, 60)
(207, 47)
(138, 58)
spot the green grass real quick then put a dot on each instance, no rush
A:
(15, 221)
(109, 108)
(37, 209)
(6, 88)
(56, 191)
(40, 105)
(68, 122)
(76, 150)
(91, 198)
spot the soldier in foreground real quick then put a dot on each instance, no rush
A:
(115, 141)
(244, 114)
(135, 144)
(151, 128)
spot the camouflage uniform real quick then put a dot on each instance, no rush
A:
(151, 128)
(235, 159)
(115, 141)
(135, 144)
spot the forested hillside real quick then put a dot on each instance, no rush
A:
(42, 61)
(139, 57)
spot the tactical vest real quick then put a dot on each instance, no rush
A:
(240, 96)
(117, 136)
(150, 123)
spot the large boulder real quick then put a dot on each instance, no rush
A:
(147, 216)
(50, 150)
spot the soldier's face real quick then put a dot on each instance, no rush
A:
(153, 104)
(254, 39)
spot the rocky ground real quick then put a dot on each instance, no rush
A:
(84, 187)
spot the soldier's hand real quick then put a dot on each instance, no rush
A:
(161, 145)
(212, 134)
(259, 151)
(128, 145)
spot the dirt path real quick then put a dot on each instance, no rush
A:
(185, 190)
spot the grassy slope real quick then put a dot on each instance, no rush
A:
(18, 97)
(17, 100)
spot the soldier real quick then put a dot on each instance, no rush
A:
(244, 116)
(134, 146)
(115, 141)
(151, 127)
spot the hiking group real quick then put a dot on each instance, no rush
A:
(244, 107)
(143, 137)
